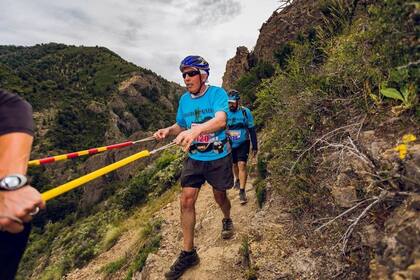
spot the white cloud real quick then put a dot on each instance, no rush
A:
(152, 34)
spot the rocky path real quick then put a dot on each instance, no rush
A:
(274, 251)
(220, 259)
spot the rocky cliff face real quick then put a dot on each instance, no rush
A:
(236, 67)
(285, 25)
(282, 26)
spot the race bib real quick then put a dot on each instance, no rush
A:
(234, 134)
(204, 138)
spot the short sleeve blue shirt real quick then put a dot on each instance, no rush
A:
(193, 111)
(238, 124)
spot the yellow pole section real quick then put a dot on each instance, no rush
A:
(93, 175)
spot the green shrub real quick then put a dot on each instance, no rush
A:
(113, 267)
(110, 238)
(283, 54)
(151, 242)
(248, 83)
(164, 160)
(260, 192)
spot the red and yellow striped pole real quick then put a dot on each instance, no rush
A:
(92, 151)
(97, 173)
(89, 177)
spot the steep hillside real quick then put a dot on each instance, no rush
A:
(85, 97)
(339, 118)
(67, 84)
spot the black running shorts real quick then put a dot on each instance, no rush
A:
(218, 173)
(12, 246)
(241, 152)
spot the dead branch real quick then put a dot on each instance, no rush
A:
(317, 141)
(344, 213)
(355, 151)
(284, 4)
(411, 63)
(361, 126)
(350, 229)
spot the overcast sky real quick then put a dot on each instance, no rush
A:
(153, 34)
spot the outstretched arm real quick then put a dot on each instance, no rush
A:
(174, 130)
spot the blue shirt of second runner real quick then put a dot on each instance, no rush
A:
(238, 124)
(193, 111)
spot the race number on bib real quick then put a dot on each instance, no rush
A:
(204, 138)
(234, 134)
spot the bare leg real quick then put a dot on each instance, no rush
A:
(223, 201)
(236, 171)
(188, 198)
(243, 174)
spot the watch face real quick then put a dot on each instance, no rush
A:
(12, 182)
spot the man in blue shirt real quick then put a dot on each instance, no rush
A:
(200, 130)
(240, 129)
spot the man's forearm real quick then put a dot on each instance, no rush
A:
(213, 125)
(14, 158)
(175, 129)
(253, 136)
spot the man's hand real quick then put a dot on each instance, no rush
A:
(254, 153)
(161, 134)
(17, 205)
(185, 138)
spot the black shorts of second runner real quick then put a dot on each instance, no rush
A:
(241, 152)
(218, 173)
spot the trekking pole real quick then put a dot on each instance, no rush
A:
(91, 151)
(100, 172)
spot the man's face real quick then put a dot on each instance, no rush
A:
(233, 105)
(192, 79)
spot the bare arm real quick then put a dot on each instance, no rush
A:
(186, 137)
(14, 155)
(213, 125)
(174, 129)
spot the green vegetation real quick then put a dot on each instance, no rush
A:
(75, 92)
(249, 82)
(111, 237)
(245, 251)
(340, 68)
(150, 238)
(69, 85)
(260, 191)
(407, 95)
(72, 241)
(157, 178)
(113, 267)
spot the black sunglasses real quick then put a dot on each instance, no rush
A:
(191, 73)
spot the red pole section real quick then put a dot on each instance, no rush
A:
(79, 153)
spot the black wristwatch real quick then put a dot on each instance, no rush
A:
(13, 182)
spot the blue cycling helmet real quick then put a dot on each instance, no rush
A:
(195, 61)
(234, 95)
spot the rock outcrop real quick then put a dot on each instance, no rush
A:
(285, 25)
(236, 67)
(281, 27)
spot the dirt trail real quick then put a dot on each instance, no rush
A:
(220, 259)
